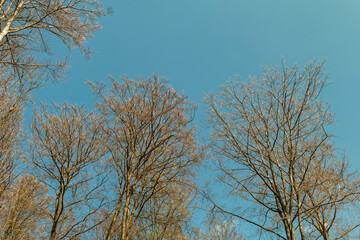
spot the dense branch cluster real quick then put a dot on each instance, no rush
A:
(126, 169)
(121, 172)
(272, 148)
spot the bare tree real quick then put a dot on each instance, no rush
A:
(26, 25)
(24, 211)
(270, 141)
(71, 20)
(25, 28)
(152, 147)
(66, 147)
(14, 93)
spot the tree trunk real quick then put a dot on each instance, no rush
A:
(325, 235)
(289, 229)
(114, 218)
(59, 206)
(125, 219)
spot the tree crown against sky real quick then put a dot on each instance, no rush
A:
(272, 147)
(196, 53)
(153, 150)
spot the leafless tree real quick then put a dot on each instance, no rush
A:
(152, 146)
(272, 148)
(23, 210)
(66, 149)
(14, 93)
(26, 25)
(25, 28)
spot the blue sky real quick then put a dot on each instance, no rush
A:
(199, 44)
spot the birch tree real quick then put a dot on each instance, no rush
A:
(25, 30)
(27, 25)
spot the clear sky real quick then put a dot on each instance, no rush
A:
(199, 44)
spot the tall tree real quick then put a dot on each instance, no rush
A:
(152, 147)
(66, 147)
(272, 147)
(25, 28)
